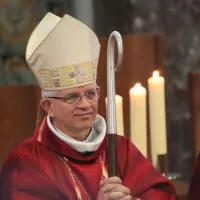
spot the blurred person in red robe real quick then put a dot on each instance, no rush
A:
(66, 158)
(194, 188)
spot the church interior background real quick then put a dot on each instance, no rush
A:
(178, 20)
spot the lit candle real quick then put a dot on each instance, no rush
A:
(156, 87)
(119, 114)
(138, 117)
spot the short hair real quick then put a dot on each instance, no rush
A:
(46, 93)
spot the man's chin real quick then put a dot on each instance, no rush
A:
(85, 123)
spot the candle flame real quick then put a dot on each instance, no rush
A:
(118, 98)
(137, 85)
(156, 74)
(137, 89)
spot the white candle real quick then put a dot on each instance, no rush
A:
(119, 114)
(156, 87)
(138, 118)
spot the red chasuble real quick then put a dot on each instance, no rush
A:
(44, 168)
(194, 190)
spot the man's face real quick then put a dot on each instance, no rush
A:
(73, 117)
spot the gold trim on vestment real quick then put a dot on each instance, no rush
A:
(39, 138)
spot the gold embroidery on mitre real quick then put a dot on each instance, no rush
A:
(66, 75)
(69, 75)
(55, 77)
(56, 82)
(47, 76)
(88, 76)
(54, 73)
(94, 67)
(80, 72)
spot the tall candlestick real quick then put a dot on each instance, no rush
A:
(138, 118)
(119, 114)
(156, 87)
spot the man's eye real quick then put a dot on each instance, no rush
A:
(91, 93)
(72, 98)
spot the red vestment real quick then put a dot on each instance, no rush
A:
(33, 171)
(194, 189)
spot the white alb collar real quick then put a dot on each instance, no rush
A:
(91, 143)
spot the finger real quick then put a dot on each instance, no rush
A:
(128, 197)
(110, 187)
(114, 195)
(123, 189)
(111, 180)
(102, 182)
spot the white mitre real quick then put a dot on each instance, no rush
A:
(63, 53)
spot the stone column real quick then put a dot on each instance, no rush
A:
(84, 11)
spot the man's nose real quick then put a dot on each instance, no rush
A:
(84, 103)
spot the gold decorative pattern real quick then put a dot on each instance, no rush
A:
(78, 192)
(39, 138)
(69, 75)
(47, 76)
(104, 170)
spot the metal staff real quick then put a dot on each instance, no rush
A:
(111, 104)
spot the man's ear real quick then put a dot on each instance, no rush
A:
(47, 106)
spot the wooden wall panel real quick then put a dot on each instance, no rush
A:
(17, 116)
(194, 100)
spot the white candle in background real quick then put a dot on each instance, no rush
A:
(138, 119)
(156, 87)
(119, 114)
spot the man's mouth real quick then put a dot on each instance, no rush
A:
(83, 114)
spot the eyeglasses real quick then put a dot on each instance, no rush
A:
(75, 98)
